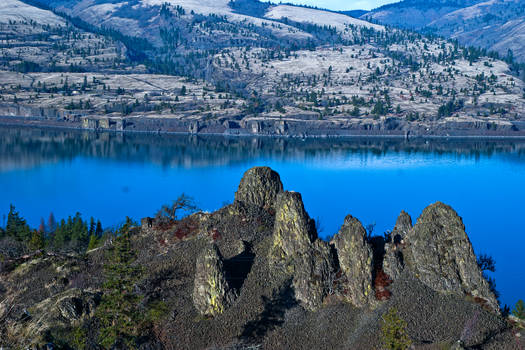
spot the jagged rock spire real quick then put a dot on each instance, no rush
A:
(297, 251)
(393, 261)
(403, 226)
(355, 260)
(440, 254)
(293, 231)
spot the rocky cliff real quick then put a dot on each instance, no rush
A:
(255, 274)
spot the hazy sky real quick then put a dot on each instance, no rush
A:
(342, 4)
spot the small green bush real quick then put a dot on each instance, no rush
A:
(393, 331)
(157, 311)
(519, 310)
(79, 336)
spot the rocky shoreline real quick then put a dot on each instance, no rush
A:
(255, 274)
(279, 127)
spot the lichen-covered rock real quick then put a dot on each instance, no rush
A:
(299, 252)
(440, 254)
(293, 230)
(393, 261)
(211, 293)
(259, 186)
(355, 260)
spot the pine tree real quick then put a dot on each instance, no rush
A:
(99, 231)
(17, 226)
(42, 227)
(51, 223)
(60, 236)
(93, 242)
(118, 312)
(92, 227)
(37, 241)
(79, 233)
(519, 310)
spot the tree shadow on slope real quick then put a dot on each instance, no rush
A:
(273, 315)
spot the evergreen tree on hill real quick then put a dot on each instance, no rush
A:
(118, 313)
(17, 226)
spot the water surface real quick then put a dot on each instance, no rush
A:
(110, 176)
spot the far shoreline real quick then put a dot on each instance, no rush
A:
(470, 134)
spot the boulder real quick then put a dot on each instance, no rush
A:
(298, 252)
(440, 254)
(355, 261)
(259, 186)
(393, 261)
(211, 293)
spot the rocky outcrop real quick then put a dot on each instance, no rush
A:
(211, 293)
(66, 309)
(355, 261)
(440, 254)
(297, 250)
(393, 261)
(259, 186)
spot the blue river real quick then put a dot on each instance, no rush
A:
(111, 176)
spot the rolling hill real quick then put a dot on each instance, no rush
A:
(497, 25)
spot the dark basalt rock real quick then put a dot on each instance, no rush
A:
(297, 250)
(355, 260)
(393, 261)
(259, 186)
(211, 293)
(440, 254)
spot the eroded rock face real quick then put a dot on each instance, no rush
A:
(311, 275)
(297, 249)
(355, 260)
(440, 254)
(211, 293)
(65, 309)
(259, 186)
(393, 261)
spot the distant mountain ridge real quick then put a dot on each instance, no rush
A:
(497, 25)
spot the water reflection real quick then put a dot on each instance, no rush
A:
(30, 147)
